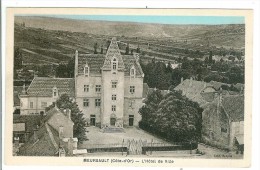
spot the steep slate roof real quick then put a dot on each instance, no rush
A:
(113, 51)
(42, 86)
(94, 62)
(234, 106)
(48, 139)
(97, 62)
(129, 61)
(46, 145)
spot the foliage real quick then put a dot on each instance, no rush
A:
(18, 59)
(80, 123)
(173, 116)
(66, 70)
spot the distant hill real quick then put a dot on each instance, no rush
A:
(219, 35)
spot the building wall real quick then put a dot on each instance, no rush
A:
(215, 127)
(107, 91)
(236, 130)
(133, 101)
(37, 104)
(60, 119)
(91, 95)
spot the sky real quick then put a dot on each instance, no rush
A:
(182, 20)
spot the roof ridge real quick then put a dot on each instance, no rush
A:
(51, 137)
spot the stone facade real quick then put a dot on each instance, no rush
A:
(111, 94)
(107, 88)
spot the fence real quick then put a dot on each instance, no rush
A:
(138, 147)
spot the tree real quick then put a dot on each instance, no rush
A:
(80, 123)
(138, 49)
(210, 57)
(18, 59)
(101, 51)
(127, 49)
(95, 48)
(173, 116)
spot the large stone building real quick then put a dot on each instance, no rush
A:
(107, 88)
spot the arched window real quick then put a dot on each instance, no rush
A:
(55, 92)
(86, 70)
(132, 72)
(114, 64)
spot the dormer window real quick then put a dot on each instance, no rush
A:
(114, 64)
(132, 72)
(55, 92)
(86, 71)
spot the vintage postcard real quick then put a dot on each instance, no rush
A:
(128, 87)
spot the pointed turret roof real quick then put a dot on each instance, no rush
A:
(113, 52)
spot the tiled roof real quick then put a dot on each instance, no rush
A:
(217, 84)
(113, 51)
(129, 61)
(192, 89)
(234, 106)
(97, 62)
(46, 145)
(43, 86)
(94, 61)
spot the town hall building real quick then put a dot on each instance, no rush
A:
(107, 88)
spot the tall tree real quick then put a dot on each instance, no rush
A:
(80, 123)
(95, 48)
(127, 49)
(18, 58)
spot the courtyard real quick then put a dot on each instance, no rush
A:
(96, 138)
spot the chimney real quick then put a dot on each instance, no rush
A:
(70, 146)
(68, 113)
(24, 90)
(61, 132)
(181, 79)
(76, 62)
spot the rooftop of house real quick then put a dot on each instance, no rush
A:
(232, 105)
(192, 89)
(46, 141)
(18, 90)
(98, 62)
(43, 86)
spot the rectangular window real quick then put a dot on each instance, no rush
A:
(44, 104)
(114, 97)
(98, 88)
(114, 83)
(132, 89)
(98, 102)
(114, 65)
(86, 88)
(113, 108)
(31, 105)
(85, 102)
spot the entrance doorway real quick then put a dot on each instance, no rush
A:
(131, 120)
(92, 120)
(112, 121)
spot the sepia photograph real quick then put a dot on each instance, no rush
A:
(130, 86)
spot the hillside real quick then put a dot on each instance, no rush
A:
(229, 36)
